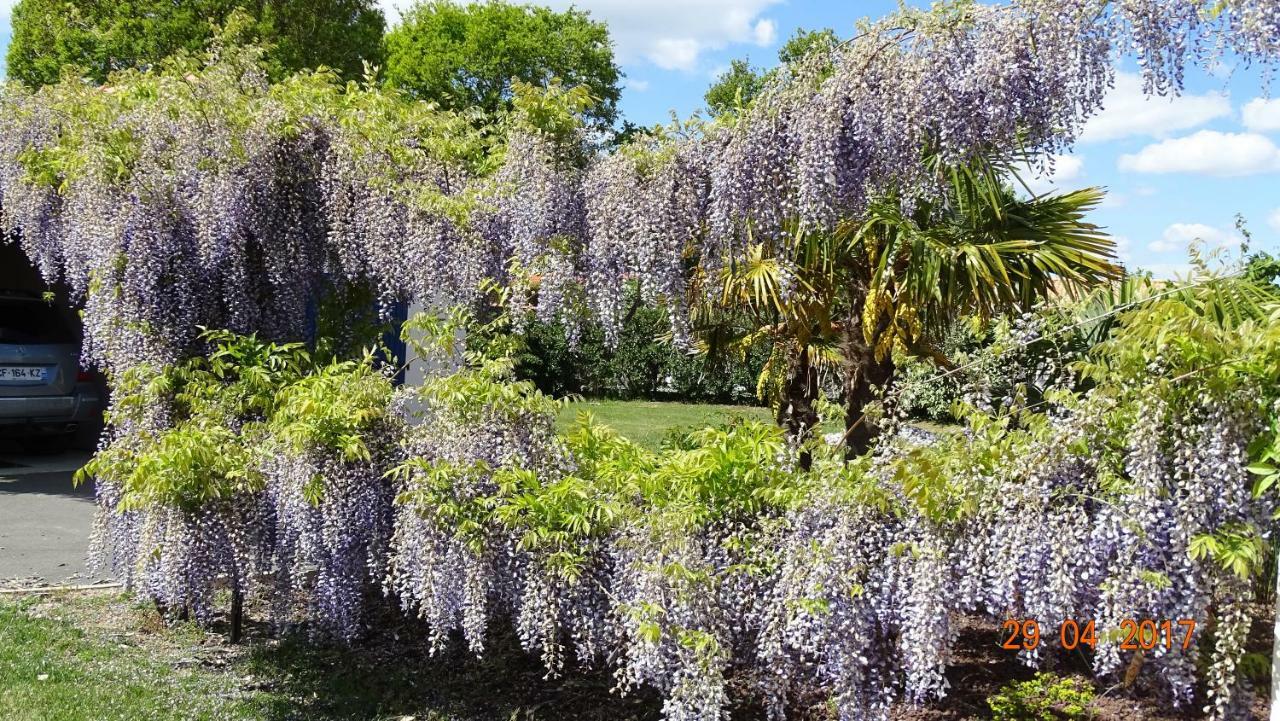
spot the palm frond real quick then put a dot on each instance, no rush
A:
(1000, 252)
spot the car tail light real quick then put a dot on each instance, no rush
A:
(84, 377)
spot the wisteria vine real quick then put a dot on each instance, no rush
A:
(718, 565)
(199, 196)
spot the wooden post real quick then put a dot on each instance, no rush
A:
(237, 611)
(1275, 652)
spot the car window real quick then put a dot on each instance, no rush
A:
(25, 320)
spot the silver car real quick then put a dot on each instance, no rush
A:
(45, 398)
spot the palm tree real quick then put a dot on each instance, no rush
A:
(893, 278)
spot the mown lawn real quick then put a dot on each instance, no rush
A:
(647, 422)
(64, 660)
(104, 657)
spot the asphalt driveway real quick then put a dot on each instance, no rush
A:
(44, 521)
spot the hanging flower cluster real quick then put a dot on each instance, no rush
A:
(266, 475)
(843, 128)
(200, 195)
(718, 564)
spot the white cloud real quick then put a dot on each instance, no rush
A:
(1066, 168)
(392, 9)
(1168, 271)
(1127, 111)
(1273, 220)
(673, 34)
(765, 32)
(1114, 200)
(1262, 115)
(639, 86)
(1180, 235)
(1124, 247)
(674, 53)
(1207, 152)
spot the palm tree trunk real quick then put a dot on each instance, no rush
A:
(798, 411)
(866, 381)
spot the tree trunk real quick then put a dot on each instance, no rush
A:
(797, 409)
(1275, 652)
(237, 611)
(866, 381)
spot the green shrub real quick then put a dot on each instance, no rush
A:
(1044, 698)
(644, 365)
(923, 391)
(1256, 667)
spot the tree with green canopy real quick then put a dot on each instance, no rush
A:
(464, 56)
(98, 37)
(741, 83)
(734, 87)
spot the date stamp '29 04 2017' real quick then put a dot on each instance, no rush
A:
(1145, 634)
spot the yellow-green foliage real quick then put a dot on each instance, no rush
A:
(1044, 698)
(333, 407)
(202, 425)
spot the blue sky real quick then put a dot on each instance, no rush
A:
(1176, 169)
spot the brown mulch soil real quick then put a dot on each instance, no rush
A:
(981, 667)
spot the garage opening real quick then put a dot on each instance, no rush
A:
(48, 402)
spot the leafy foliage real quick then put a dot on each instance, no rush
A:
(733, 88)
(196, 455)
(642, 364)
(1044, 698)
(253, 460)
(893, 281)
(97, 39)
(467, 56)
(736, 87)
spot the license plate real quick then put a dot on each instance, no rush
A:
(23, 374)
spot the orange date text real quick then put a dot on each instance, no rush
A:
(1132, 634)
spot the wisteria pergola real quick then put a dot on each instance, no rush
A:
(198, 195)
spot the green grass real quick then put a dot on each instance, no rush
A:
(53, 670)
(96, 657)
(647, 422)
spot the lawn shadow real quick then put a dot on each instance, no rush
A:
(392, 675)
